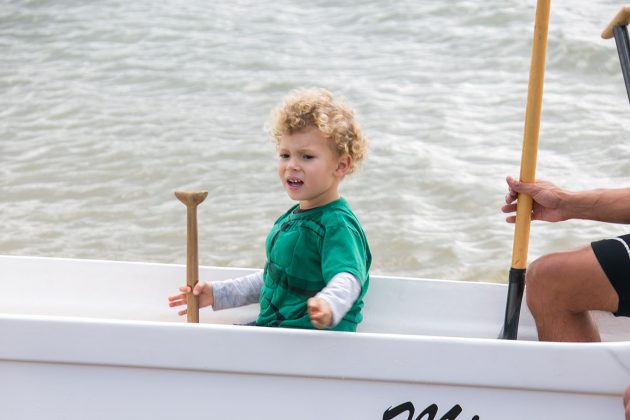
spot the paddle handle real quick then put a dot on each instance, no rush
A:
(622, 18)
(192, 200)
(530, 133)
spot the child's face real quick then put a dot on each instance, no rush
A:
(309, 168)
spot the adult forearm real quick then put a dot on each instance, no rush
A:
(604, 205)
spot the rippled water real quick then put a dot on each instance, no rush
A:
(108, 107)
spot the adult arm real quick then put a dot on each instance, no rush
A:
(554, 204)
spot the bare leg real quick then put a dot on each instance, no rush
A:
(562, 288)
(626, 402)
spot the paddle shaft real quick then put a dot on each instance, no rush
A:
(529, 153)
(191, 200)
(530, 134)
(618, 28)
(623, 48)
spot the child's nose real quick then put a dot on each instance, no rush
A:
(293, 164)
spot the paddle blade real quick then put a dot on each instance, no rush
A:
(516, 287)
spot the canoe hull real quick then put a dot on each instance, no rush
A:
(156, 394)
(71, 367)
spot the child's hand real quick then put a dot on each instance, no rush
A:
(320, 312)
(202, 289)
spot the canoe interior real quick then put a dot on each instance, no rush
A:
(138, 291)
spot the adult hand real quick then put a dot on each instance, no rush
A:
(548, 200)
(320, 312)
(201, 289)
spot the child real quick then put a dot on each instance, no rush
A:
(318, 257)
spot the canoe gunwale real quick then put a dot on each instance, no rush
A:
(416, 359)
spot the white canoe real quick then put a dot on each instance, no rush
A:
(82, 339)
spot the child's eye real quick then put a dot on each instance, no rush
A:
(283, 155)
(307, 157)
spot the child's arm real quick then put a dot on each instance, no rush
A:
(237, 292)
(332, 303)
(222, 294)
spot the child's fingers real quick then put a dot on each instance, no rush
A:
(313, 307)
(316, 318)
(318, 313)
(176, 300)
(174, 303)
(317, 324)
(315, 315)
(198, 289)
(320, 324)
(176, 297)
(179, 299)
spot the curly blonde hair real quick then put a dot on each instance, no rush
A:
(317, 108)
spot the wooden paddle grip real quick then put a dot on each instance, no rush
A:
(192, 200)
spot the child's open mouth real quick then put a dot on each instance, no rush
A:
(294, 183)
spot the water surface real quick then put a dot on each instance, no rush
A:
(109, 107)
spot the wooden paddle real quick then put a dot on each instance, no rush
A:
(516, 283)
(192, 200)
(618, 28)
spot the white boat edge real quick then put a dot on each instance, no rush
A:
(417, 334)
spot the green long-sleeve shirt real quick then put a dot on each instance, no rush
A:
(305, 249)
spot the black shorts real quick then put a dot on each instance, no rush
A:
(614, 257)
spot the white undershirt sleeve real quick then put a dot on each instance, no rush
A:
(340, 293)
(238, 291)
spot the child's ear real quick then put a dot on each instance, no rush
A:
(344, 165)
